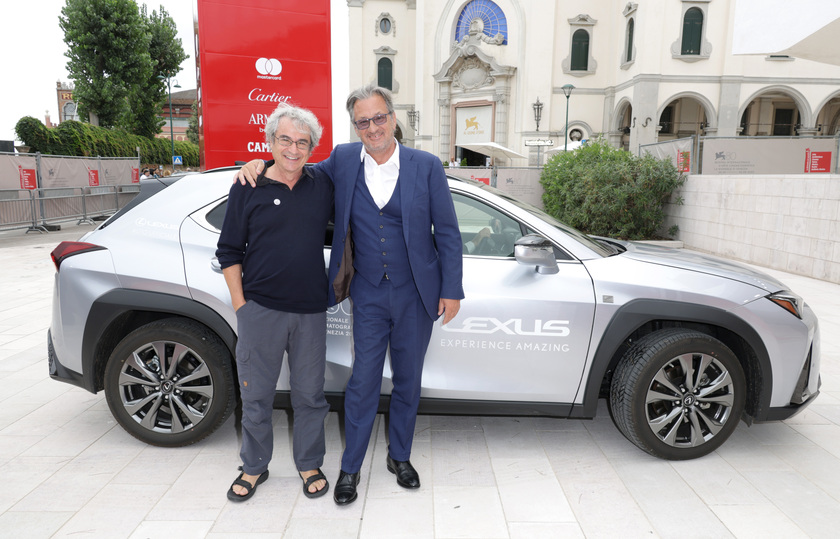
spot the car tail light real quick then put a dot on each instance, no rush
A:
(67, 249)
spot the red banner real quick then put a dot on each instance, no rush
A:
(252, 56)
(817, 161)
(684, 162)
(135, 175)
(93, 178)
(28, 178)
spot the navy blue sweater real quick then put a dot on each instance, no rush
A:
(277, 234)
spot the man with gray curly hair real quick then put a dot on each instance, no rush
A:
(271, 253)
(389, 200)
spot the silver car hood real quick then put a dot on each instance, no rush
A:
(702, 263)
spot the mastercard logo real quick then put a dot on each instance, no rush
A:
(269, 66)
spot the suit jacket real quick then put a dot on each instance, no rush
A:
(435, 259)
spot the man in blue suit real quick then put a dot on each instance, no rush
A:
(408, 271)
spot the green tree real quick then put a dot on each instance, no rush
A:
(605, 191)
(147, 95)
(192, 129)
(108, 51)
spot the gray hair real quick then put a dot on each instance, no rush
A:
(366, 92)
(302, 119)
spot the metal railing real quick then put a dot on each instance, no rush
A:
(35, 209)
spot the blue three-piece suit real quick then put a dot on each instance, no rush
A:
(402, 271)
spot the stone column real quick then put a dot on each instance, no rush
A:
(728, 120)
(607, 125)
(445, 115)
(645, 98)
(764, 125)
(501, 97)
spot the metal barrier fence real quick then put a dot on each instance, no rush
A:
(520, 182)
(35, 209)
(751, 155)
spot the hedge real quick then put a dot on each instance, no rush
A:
(82, 139)
(605, 191)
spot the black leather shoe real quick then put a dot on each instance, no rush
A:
(345, 488)
(407, 476)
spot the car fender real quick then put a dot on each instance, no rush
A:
(107, 308)
(635, 314)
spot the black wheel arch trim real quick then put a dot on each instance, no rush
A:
(107, 308)
(637, 313)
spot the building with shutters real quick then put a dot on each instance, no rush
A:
(467, 71)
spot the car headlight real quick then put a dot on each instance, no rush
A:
(788, 301)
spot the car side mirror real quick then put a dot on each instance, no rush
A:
(534, 250)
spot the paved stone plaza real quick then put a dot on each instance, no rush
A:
(70, 471)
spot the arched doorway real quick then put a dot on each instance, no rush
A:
(773, 112)
(828, 117)
(681, 118)
(624, 118)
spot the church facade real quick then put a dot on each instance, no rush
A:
(512, 72)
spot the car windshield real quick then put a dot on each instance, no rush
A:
(592, 243)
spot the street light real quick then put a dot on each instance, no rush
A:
(537, 112)
(171, 134)
(567, 91)
(537, 115)
(414, 120)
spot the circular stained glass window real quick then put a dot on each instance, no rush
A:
(487, 15)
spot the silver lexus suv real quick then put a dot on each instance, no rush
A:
(681, 345)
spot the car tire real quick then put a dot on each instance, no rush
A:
(142, 391)
(677, 394)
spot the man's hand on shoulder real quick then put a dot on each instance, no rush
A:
(249, 172)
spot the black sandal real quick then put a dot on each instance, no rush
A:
(234, 497)
(312, 479)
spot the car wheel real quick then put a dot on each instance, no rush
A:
(677, 394)
(170, 383)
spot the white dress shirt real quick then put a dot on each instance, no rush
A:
(381, 180)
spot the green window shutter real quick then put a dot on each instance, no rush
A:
(385, 73)
(692, 31)
(580, 50)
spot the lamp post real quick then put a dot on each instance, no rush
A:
(414, 120)
(567, 91)
(537, 112)
(537, 115)
(171, 133)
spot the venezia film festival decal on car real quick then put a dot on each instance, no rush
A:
(339, 320)
(512, 328)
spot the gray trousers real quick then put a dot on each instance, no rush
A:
(264, 334)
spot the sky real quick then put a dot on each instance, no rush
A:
(33, 60)
(32, 57)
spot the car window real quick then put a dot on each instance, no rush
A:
(485, 231)
(475, 215)
(216, 216)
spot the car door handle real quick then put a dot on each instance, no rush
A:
(215, 266)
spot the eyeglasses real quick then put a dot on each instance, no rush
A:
(285, 141)
(364, 123)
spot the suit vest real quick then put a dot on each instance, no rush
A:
(378, 239)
